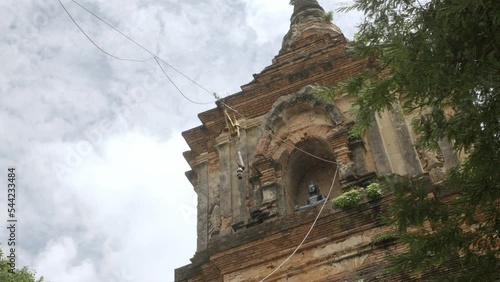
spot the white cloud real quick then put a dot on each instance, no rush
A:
(57, 259)
(261, 13)
(127, 212)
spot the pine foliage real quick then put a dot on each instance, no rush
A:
(440, 60)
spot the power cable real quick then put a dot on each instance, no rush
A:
(154, 56)
(141, 46)
(158, 60)
(233, 109)
(111, 26)
(308, 232)
(180, 91)
(307, 153)
(95, 44)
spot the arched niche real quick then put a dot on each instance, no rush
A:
(295, 117)
(282, 172)
(302, 168)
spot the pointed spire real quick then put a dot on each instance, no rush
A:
(307, 18)
(302, 5)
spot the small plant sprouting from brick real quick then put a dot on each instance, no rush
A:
(349, 199)
(342, 224)
(328, 16)
(355, 278)
(373, 191)
(384, 237)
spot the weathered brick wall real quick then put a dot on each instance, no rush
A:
(338, 247)
(342, 246)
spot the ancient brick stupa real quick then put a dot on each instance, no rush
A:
(255, 154)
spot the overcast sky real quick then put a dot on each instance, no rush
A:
(96, 142)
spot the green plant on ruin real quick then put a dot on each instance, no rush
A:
(342, 224)
(354, 278)
(384, 236)
(328, 16)
(373, 191)
(349, 199)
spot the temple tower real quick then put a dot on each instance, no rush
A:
(248, 222)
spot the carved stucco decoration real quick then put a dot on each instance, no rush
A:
(215, 221)
(292, 119)
(433, 163)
